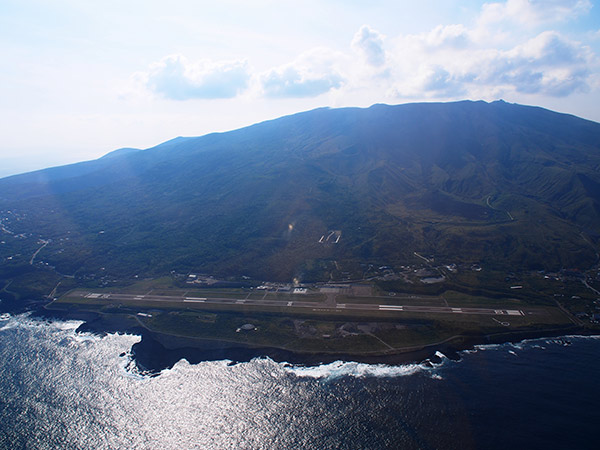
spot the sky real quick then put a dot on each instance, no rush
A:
(80, 78)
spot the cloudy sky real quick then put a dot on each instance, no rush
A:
(81, 78)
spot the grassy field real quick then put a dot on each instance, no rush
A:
(417, 300)
(322, 328)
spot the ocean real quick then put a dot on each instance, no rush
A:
(69, 390)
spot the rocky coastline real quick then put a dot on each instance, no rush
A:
(159, 351)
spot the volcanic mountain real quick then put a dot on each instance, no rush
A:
(321, 194)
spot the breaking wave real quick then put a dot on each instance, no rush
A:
(340, 369)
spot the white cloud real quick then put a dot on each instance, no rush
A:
(174, 77)
(65, 63)
(549, 49)
(453, 61)
(456, 36)
(369, 44)
(548, 64)
(313, 73)
(533, 12)
(503, 52)
(437, 80)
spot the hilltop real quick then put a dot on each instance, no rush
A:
(322, 195)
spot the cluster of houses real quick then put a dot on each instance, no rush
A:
(282, 287)
(202, 280)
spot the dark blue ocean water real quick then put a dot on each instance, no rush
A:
(60, 389)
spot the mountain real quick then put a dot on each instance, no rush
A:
(121, 152)
(507, 186)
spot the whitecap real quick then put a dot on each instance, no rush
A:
(484, 347)
(440, 354)
(435, 364)
(353, 369)
(469, 351)
(8, 326)
(578, 336)
(68, 325)
(129, 369)
(85, 337)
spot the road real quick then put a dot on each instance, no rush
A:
(422, 257)
(585, 283)
(314, 306)
(496, 209)
(37, 251)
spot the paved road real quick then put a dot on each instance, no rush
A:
(37, 251)
(314, 306)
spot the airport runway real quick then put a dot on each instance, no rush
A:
(314, 306)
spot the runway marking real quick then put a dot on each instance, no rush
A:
(391, 307)
(337, 308)
(510, 312)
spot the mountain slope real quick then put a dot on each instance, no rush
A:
(505, 185)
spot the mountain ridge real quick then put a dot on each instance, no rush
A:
(497, 183)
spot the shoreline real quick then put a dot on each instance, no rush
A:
(158, 351)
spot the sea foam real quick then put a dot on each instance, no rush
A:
(339, 369)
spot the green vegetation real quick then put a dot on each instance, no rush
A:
(322, 328)
(465, 204)
(506, 186)
(350, 333)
